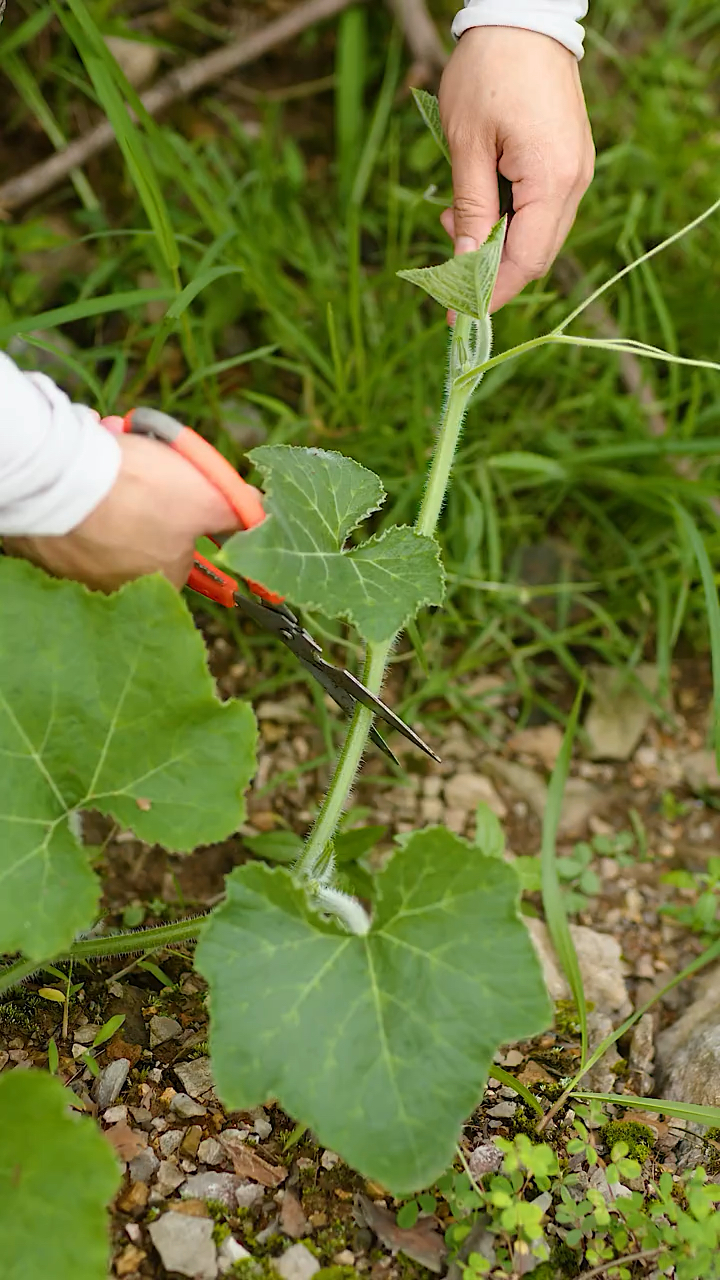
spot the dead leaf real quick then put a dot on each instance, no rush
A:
(129, 1260)
(134, 1199)
(533, 1073)
(127, 1142)
(249, 1165)
(118, 1048)
(423, 1242)
(292, 1217)
(191, 1208)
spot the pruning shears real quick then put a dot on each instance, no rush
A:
(265, 608)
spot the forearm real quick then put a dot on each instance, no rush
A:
(56, 462)
(557, 18)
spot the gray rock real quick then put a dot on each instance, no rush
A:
(688, 1053)
(162, 1029)
(610, 1191)
(642, 1055)
(249, 1193)
(138, 60)
(110, 1081)
(210, 1152)
(261, 1125)
(212, 1186)
(170, 1141)
(186, 1245)
(600, 965)
(230, 1252)
(169, 1178)
(580, 801)
(296, 1263)
(700, 771)
(86, 1034)
(619, 714)
(484, 1158)
(186, 1107)
(468, 790)
(601, 1077)
(143, 1166)
(116, 1115)
(196, 1077)
(503, 1110)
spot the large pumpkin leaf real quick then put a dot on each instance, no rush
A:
(464, 283)
(382, 1043)
(105, 703)
(57, 1174)
(314, 500)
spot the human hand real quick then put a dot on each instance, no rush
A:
(149, 522)
(511, 100)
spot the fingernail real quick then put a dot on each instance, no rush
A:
(465, 244)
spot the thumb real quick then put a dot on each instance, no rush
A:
(476, 201)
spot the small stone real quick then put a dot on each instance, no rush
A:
(601, 1077)
(292, 710)
(129, 1260)
(162, 1029)
(296, 1263)
(485, 1158)
(133, 1232)
(431, 811)
(700, 771)
(262, 1126)
(248, 1194)
(196, 1077)
(110, 1082)
(191, 1141)
(169, 1178)
(533, 1073)
(116, 1115)
(170, 1141)
(619, 714)
(86, 1034)
(142, 1168)
(134, 1199)
(468, 790)
(600, 962)
(329, 1159)
(642, 1047)
(292, 1217)
(186, 1245)
(610, 1192)
(212, 1186)
(230, 1252)
(210, 1152)
(456, 820)
(345, 1258)
(542, 741)
(503, 1110)
(318, 1219)
(513, 1058)
(138, 60)
(186, 1107)
(688, 1053)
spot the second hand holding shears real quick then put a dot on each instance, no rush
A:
(265, 609)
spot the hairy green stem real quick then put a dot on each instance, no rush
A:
(313, 856)
(114, 944)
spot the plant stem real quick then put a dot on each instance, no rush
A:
(309, 862)
(140, 940)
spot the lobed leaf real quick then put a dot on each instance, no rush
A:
(464, 283)
(57, 1174)
(381, 1043)
(106, 703)
(314, 500)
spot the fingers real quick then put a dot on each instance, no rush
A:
(476, 203)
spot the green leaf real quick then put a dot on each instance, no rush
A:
(694, 1112)
(57, 1174)
(314, 500)
(110, 708)
(381, 1044)
(107, 1031)
(464, 283)
(276, 846)
(354, 844)
(489, 835)
(429, 108)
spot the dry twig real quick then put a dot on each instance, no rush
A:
(421, 34)
(178, 84)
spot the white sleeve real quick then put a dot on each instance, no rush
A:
(56, 461)
(557, 18)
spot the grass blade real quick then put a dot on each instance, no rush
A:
(351, 62)
(693, 536)
(82, 310)
(505, 1077)
(690, 1111)
(553, 904)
